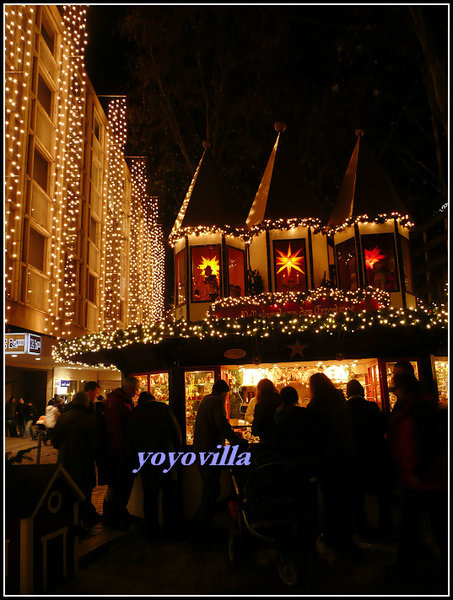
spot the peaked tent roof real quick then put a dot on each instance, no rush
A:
(209, 201)
(366, 189)
(284, 192)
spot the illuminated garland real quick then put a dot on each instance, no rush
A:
(434, 318)
(322, 293)
(282, 225)
(404, 221)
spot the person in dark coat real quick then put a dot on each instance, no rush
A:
(20, 417)
(332, 431)
(374, 471)
(297, 445)
(418, 435)
(211, 430)
(76, 438)
(267, 402)
(153, 427)
(117, 412)
(30, 417)
(10, 413)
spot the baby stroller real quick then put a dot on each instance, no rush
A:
(273, 505)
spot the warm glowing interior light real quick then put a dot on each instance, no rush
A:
(289, 261)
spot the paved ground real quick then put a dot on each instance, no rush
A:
(128, 564)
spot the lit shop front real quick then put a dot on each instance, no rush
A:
(287, 338)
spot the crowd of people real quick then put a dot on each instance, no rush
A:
(343, 441)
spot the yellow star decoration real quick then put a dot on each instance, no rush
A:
(289, 261)
(297, 348)
(209, 262)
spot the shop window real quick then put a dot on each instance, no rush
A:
(36, 250)
(379, 260)
(441, 370)
(180, 278)
(205, 273)
(290, 265)
(41, 170)
(346, 265)
(197, 385)
(236, 272)
(45, 95)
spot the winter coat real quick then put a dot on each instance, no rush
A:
(152, 427)
(76, 437)
(212, 426)
(117, 412)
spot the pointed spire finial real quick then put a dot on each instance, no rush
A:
(359, 132)
(206, 144)
(280, 126)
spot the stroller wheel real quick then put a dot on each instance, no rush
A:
(287, 567)
(234, 544)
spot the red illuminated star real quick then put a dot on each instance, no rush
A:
(372, 257)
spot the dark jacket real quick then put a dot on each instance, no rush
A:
(373, 456)
(117, 412)
(212, 427)
(263, 421)
(152, 427)
(76, 437)
(30, 413)
(332, 430)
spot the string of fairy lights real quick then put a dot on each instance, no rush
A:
(147, 260)
(430, 318)
(18, 60)
(74, 18)
(59, 213)
(247, 235)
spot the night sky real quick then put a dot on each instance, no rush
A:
(105, 58)
(109, 59)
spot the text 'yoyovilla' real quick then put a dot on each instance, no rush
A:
(228, 458)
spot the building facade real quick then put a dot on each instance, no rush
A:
(81, 232)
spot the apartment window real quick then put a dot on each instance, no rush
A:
(92, 288)
(95, 175)
(41, 170)
(36, 249)
(48, 35)
(97, 129)
(44, 95)
(93, 231)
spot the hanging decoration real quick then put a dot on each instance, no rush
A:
(290, 261)
(373, 257)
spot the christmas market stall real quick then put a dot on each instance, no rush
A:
(288, 293)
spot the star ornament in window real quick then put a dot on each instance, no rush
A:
(209, 262)
(290, 261)
(372, 257)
